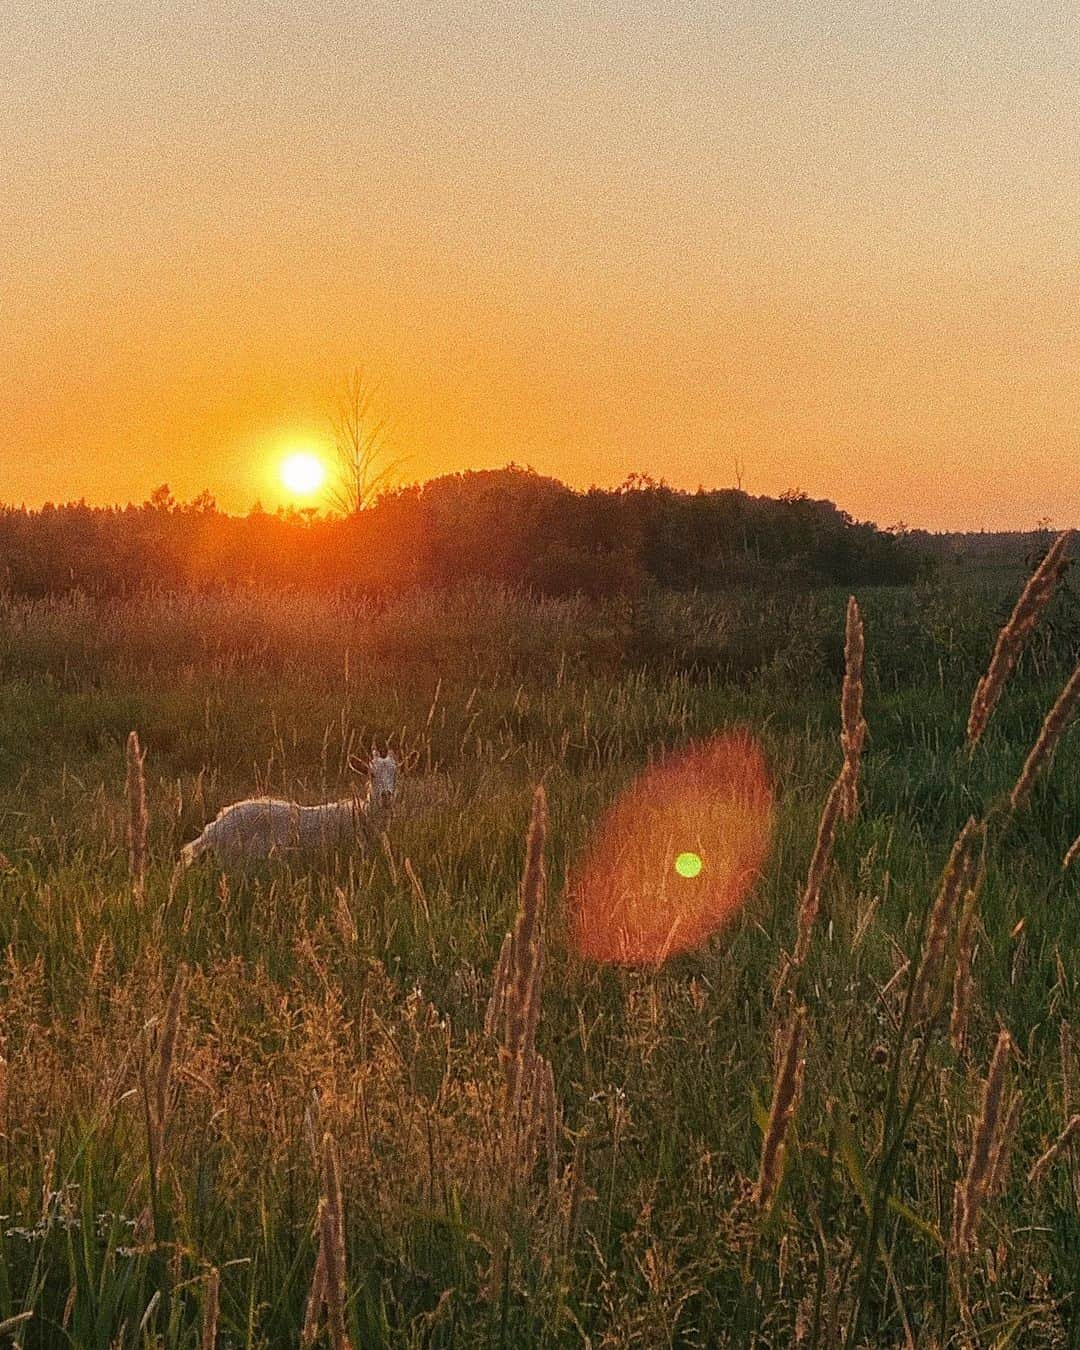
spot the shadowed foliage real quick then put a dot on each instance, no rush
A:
(510, 525)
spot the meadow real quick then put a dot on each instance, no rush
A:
(216, 1098)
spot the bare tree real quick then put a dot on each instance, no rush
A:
(361, 446)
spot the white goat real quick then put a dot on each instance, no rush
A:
(266, 827)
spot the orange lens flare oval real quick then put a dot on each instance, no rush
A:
(675, 856)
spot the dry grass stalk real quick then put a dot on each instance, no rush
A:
(526, 965)
(1026, 613)
(549, 1106)
(418, 889)
(787, 1088)
(137, 815)
(159, 1104)
(69, 1306)
(332, 1236)
(170, 1037)
(963, 984)
(999, 1163)
(955, 881)
(309, 1333)
(971, 1193)
(1053, 728)
(47, 1189)
(1056, 1149)
(532, 1114)
(1071, 853)
(496, 1008)
(346, 924)
(208, 1339)
(575, 1193)
(894, 980)
(819, 865)
(853, 725)
(528, 1096)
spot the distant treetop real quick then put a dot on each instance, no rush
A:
(512, 525)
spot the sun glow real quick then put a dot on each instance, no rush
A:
(303, 473)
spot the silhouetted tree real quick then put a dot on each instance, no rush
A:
(362, 464)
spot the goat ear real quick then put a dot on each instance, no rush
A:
(357, 765)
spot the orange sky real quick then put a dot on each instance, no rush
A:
(837, 243)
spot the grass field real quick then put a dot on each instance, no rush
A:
(161, 1193)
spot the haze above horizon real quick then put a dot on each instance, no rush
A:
(835, 249)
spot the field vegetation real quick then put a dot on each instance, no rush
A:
(508, 525)
(326, 1103)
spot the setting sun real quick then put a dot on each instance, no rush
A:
(303, 473)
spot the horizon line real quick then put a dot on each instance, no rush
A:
(646, 482)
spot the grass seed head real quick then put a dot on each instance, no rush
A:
(309, 1333)
(955, 881)
(787, 1088)
(963, 982)
(819, 865)
(496, 1008)
(550, 1110)
(1033, 600)
(1053, 728)
(1002, 1156)
(1056, 1149)
(985, 1144)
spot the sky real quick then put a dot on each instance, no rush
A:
(825, 247)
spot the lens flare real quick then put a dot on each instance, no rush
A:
(675, 856)
(688, 865)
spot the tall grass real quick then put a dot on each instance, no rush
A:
(318, 1106)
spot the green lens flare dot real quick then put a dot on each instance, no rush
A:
(688, 864)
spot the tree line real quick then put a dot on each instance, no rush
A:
(510, 525)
